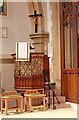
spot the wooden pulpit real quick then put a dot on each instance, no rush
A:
(29, 74)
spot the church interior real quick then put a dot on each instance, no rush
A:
(39, 59)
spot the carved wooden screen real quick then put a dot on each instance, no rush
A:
(77, 11)
(69, 16)
(67, 34)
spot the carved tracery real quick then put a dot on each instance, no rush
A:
(67, 12)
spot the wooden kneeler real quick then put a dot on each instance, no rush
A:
(9, 96)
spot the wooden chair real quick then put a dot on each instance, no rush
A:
(9, 96)
(33, 94)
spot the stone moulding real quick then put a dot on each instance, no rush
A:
(39, 35)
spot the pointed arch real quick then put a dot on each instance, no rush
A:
(38, 6)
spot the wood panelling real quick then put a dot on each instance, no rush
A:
(46, 66)
(70, 84)
(29, 82)
(77, 84)
(64, 83)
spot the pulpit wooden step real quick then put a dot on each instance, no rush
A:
(60, 98)
(61, 105)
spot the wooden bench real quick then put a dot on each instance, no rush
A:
(32, 94)
(9, 96)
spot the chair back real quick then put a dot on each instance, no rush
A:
(8, 93)
(31, 91)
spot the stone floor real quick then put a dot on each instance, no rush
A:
(50, 113)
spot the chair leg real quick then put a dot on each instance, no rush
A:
(2, 105)
(25, 106)
(30, 104)
(44, 102)
(21, 104)
(6, 106)
(17, 105)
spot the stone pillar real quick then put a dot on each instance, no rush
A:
(56, 44)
